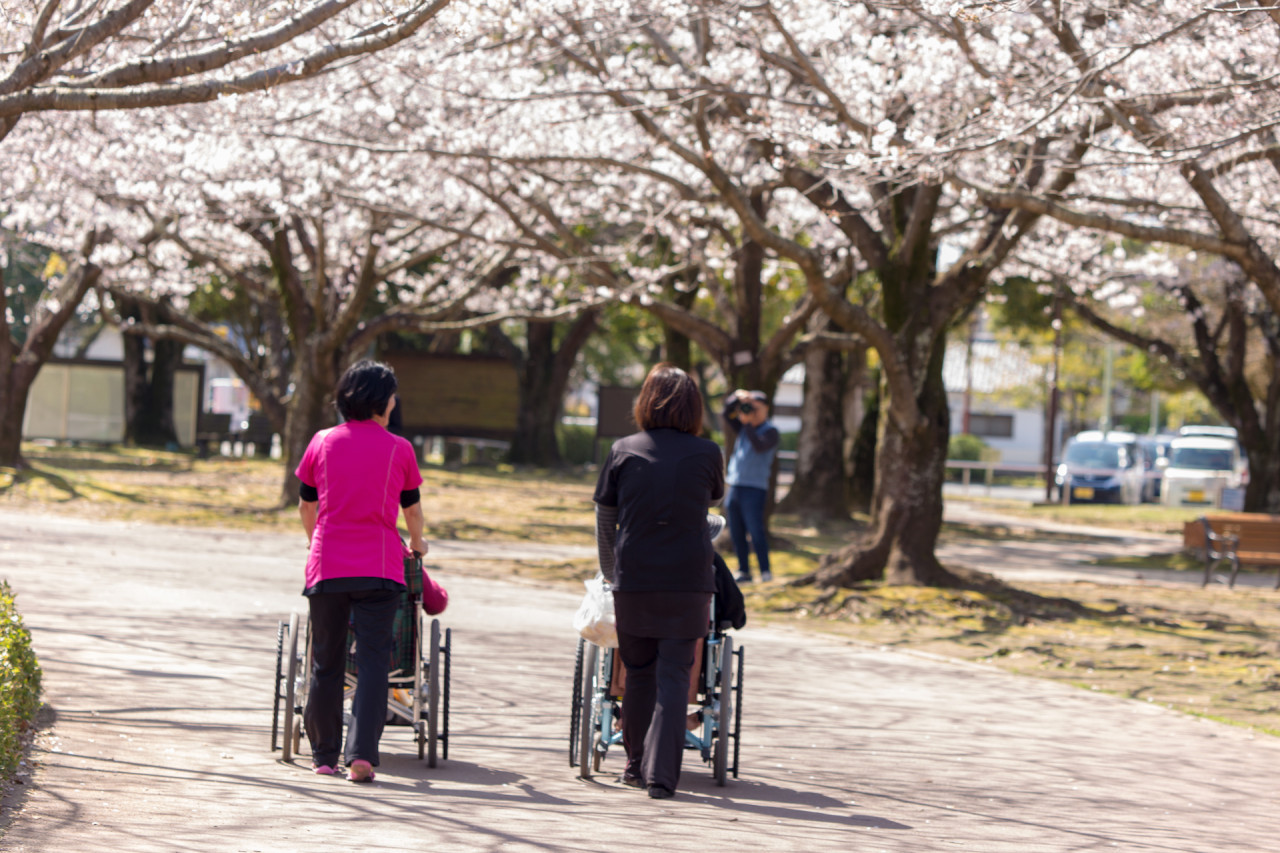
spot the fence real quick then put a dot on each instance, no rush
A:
(989, 470)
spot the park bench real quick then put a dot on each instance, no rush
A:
(257, 431)
(1249, 538)
(211, 428)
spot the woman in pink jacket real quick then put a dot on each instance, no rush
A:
(356, 478)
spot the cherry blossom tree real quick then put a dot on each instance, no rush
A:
(133, 54)
(876, 135)
(1188, 160)
(95, 59)
(742, 104)
(21, 359)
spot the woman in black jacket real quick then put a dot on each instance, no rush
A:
(651, 525)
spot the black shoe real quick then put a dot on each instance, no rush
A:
(657, 792)
(742, 577)
(631, 781)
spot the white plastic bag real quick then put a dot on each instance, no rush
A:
(594, 619)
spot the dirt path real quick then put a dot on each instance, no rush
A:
(158, 651)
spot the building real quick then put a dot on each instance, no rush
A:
(1002, 390)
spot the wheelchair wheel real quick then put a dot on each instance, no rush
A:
(444, 696)
(588, 721)
(724, 719)
(290, 688)
(433, 693)
(302, 686)
(277, 694)
(575, 710)
(419, 694)
(737, 710)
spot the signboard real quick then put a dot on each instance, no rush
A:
(1233, 500)
(455, 395)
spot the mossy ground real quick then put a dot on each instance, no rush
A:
(1214, 652)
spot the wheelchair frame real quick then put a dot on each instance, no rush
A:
(597, 708)
(427, 678)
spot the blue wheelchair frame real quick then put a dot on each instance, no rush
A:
(597, 707)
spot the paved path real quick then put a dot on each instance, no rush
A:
(158, 651)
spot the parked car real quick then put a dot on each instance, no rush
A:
(1098, 468)
(1200, 467)
(1155, 457)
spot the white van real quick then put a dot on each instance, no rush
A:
(1200, 467)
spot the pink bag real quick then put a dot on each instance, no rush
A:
(434, 597)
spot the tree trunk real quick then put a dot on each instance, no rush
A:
(818, 491)
(535, 440)
(19, 364)
(1263, 492)
(306, 415)
(148, 389)
(158, 427)
(15, 387)
(544, 370)
(862, 419)
(677, 347)
(907, 500)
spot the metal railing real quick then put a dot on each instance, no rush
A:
(989, 470)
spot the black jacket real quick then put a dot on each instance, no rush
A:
(730, 606)
(662, 481)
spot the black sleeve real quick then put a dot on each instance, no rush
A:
(762, 440)
(730, 605)
(606, 538)
(409, 497)
(310, 494)
(732, 425)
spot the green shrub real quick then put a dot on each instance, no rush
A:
(789, 441)
(576, 441)
(963, 447)
(19, 682)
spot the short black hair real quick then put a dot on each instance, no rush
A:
(364, 390)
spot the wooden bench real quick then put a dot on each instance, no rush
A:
(211, 428)
(1250, 538)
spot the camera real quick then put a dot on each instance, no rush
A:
(746, 407)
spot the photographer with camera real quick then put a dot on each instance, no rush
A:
(746, 416)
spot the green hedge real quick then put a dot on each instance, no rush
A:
(19, 682)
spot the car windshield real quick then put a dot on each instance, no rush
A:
(1094, 454)
(1205, 458)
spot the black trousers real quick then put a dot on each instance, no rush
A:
(372, 614)
(655, 706)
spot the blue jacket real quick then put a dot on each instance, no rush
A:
(753, 452)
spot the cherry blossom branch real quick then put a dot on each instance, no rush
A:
(68, 97)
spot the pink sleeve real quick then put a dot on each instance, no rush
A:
(434, 597)
(409, 459)
(307, 466)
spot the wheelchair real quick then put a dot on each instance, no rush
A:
(418, 682)
(715, 686)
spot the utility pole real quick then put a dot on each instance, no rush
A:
(1051, 419)
(1105, 425)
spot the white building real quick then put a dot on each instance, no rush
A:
(1006, 393)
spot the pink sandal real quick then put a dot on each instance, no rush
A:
(360, 771)
(322, 769)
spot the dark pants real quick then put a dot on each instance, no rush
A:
(372, 614)
(745, 507)
(655, 706)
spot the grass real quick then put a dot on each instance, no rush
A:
(1213, 652)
